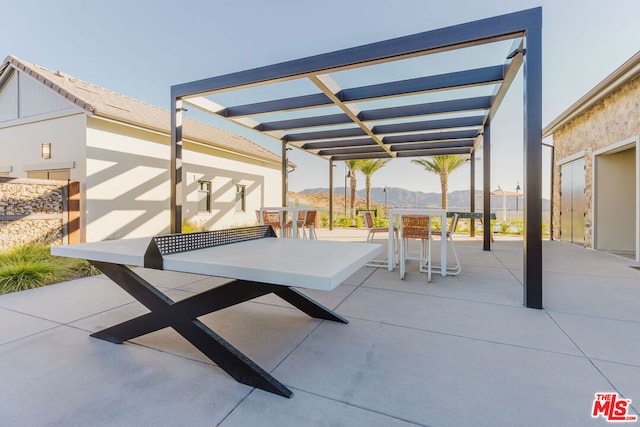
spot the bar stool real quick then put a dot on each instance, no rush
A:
(307, 220)
(450, 230)
(373, 230)
(274, 219)
(416, 227)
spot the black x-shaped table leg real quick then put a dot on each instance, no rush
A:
(182, 317)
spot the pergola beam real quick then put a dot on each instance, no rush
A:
(338, 143)
(455, 80)
(434, 136)
(441, 107)
(448, 144)
(463, 143)
(341, 118)
(503, 27)
(394, 139)
(438, 152)
(325, 134)
(344, 157)
(430, 125)
(330, 88)
(511, 69)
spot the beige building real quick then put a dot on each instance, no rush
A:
(54, 126)
(597, 163)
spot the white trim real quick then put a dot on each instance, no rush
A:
(624, 74)
(572, 158)
(625, 144)
(49, 166)
(594, 197)
(41, 117)
(618, 146)
(6, 168)
(209, 146)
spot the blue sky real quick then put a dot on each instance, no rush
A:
(140, 48)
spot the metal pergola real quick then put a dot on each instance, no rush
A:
(382, 114)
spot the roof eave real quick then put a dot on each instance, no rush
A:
(621, 76)
(113, 118)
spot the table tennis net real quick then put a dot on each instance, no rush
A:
(175, 243)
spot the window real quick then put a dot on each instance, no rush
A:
(240, 199)
(58, 174)
(204, 197)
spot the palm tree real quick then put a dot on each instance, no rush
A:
(353, 166)
(443, 166)
(368, 168)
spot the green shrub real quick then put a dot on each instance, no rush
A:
(21, 276)
(342, 221)
(190, 227)
(33, 266)
(324, 220)
(379, 221)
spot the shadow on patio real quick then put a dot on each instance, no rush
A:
(459, 351)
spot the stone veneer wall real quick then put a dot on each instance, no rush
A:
(31, 211)
(614, 119)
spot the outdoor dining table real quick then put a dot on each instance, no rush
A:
(394, 220)
(286, 212)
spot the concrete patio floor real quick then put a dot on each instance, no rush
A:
(459, 351)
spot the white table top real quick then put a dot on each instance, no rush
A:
(416, 211)
(309, 264)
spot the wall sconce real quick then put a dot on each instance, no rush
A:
(45, 151)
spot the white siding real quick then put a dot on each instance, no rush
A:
(23, 98)
(35, 98)
(9, 99)
(20, 145)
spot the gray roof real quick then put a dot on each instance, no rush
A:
(627, 72)
(102, 102)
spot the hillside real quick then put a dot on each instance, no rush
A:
(320, 200)
(399, 197)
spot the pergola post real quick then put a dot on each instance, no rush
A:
(285, 173)
(486, 187)
(331, 194)
(176, 166)
(472, 193)
(533, 169)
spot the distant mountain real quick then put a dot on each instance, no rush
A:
(399, 197)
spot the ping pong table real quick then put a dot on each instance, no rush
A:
(252, 257)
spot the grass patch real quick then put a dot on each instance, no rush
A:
(30, 267)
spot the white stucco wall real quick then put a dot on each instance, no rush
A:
(262, 182)
(125, 185)
(128, 188)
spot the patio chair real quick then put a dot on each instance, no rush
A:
(307, 219)
(273, 219)
(451, 229)
(416, 227)
(373, 230)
